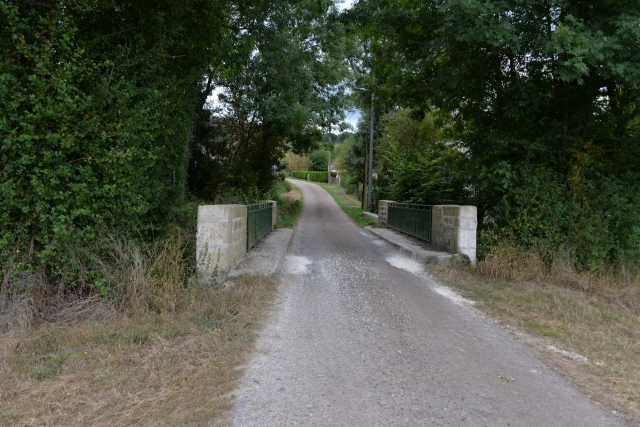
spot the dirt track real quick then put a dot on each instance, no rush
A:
(361, 336)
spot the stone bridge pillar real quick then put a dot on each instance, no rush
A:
(221, 240)
(383, 212)
(453, 229)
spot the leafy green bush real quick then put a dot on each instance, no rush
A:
(588, 218)
(319, 160)
(93, 130)
(418, 165)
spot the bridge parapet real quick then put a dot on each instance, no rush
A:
(452, 227)
(223, 237)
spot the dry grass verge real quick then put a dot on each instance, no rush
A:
(584, 325)
(137, 277)
(173, 368)
(614, 284)
(292, 195)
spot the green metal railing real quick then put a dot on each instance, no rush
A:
(259, 219)
(411, 219)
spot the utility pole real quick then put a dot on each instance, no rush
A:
(367, 180)
(364, 181)
(329, 167)
(370, 165)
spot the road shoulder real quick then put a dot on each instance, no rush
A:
(267, 257)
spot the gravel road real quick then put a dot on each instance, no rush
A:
(361, 336)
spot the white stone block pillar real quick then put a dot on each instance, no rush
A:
(453, 229)
(383, 211)
(221, 240)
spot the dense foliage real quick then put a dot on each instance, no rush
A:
(283, 88)
(319, 159)
(297, 162)
(527, 109)
(95, 102)
(105, 125)
(544, 97)
(419, 165)
(350, 157)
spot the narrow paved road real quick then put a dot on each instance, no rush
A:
(360, 336)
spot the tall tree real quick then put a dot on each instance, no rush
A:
(545, 97)
(283, 87)
(419, 162)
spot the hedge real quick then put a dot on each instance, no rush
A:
(313, 175)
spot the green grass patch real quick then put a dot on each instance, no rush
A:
(290, 205)
(48, 368)
(349, 204)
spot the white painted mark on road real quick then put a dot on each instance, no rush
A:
(405, 264)
(448, 293)
(296, 265)
(416, 268)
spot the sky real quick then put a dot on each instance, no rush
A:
(345, 4)
(353, 117)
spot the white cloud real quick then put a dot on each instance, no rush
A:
(345, 4)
